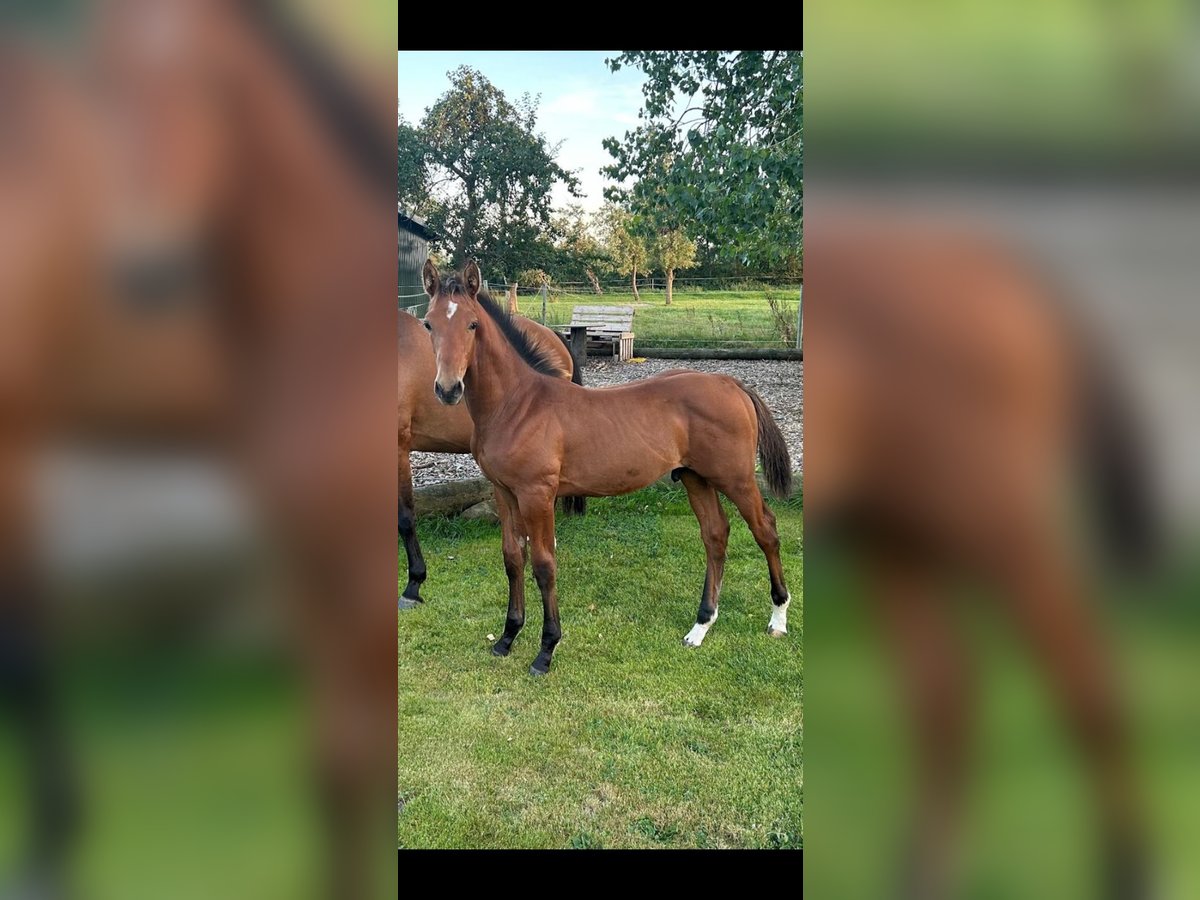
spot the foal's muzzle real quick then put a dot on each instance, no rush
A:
(449, 397)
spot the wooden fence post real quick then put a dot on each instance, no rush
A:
(800, 320)
(543, 304)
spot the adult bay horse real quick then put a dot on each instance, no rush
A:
(538, 436)
(427, 424)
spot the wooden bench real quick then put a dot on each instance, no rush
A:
(605, 328)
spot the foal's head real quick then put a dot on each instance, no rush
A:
(452, 319)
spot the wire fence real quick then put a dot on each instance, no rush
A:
(413, 299)
(654, 284)
(725, 313)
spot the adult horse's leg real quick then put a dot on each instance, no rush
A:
(537, 511)
(28, 694)
(936, 682)
(749, 501)
(574, 506)
(406, 517)
(714, 531)
(512, 530)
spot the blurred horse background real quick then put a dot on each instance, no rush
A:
(197, 255)
(1001, 240)
(967, 424)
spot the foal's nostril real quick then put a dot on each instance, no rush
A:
(159, 281)
(451, 396)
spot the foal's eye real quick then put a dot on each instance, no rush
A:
(426, 324)
(472, 326)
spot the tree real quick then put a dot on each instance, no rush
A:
(412, 181)
(674, 250)
(580, 253)
(626, 248)
(489, 174)
(730, 165)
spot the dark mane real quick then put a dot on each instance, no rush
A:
(537, 359)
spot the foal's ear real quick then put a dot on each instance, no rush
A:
(471, 278)
(430, 276)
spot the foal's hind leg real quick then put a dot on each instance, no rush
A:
(746, 497)
(406, 520)
(1046, 600)
(513, 538)
(936, 681)
(714, 531)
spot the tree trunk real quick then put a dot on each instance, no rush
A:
(670, 284)
(595, 281)
(467, 237)
(635, 293)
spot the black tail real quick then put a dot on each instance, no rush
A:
(772, 449)
(573, 506)
(1114, 457)
(1118, 468)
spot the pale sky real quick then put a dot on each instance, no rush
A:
(582, 102)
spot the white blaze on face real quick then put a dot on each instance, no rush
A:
(437, 359)
(778, 621)
(451, 309)
(695, 637)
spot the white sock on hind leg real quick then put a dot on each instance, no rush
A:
(695, 637)
(778, 623)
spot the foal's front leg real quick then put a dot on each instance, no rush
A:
(538, 513)
(512, 530)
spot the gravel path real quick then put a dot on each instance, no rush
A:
(779, 382)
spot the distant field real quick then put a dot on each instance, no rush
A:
(694, 316)
(632, 740)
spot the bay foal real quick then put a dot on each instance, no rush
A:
(426, 424)
(538, 436)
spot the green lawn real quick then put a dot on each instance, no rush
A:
(694, 316)
(632, 740)
(195, 772)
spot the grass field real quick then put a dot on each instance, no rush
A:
(633, 740)
(694, 316)
(195, 773)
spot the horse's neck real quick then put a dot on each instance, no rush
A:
(496, 375)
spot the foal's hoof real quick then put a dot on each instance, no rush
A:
(775, 632)
(408, 602)
(540, 666)
(500, 648)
